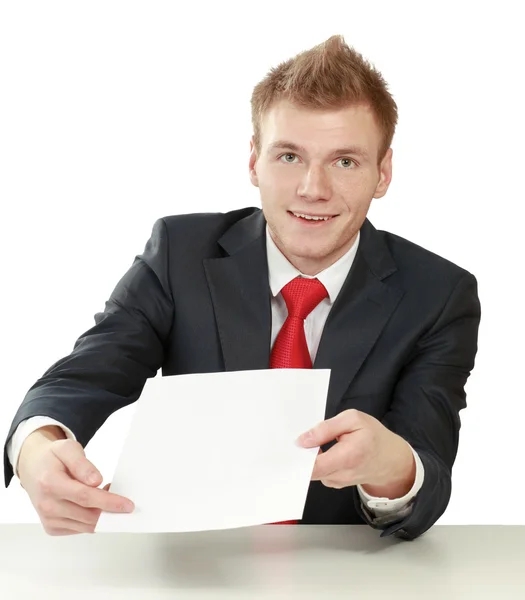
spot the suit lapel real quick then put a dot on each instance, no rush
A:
(359, 315)
(240, 294)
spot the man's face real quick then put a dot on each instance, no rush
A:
(318, 164)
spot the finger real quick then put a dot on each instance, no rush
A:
(68, 510)
(329, 430)
(72, 455)
(66, 488)
(60, 532)
(69, 525)
(340, 480)
(338, 458)
(52, 508)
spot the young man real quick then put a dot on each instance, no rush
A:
(307, 282)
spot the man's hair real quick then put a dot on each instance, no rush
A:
(331, 75)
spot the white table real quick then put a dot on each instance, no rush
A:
(272, 561)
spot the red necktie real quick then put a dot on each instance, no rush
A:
(290, 350)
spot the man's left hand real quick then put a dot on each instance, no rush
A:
(366, 453)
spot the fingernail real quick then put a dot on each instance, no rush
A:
(127, 507)
(306, 438)
(93, 477)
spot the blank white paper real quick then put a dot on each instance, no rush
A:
(218, 450)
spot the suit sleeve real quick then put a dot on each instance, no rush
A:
(427, 399)
(110, 363)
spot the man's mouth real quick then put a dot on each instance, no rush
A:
(310, 217)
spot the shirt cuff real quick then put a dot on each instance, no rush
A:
(24, 429)
(386, 506)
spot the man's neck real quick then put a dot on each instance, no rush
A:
(314, 266)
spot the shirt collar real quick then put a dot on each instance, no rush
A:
(281, 271)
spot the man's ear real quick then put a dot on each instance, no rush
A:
(385, 174)
(252, 164)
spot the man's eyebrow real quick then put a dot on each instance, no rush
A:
(286, 145)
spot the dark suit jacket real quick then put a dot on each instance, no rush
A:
(400, 340)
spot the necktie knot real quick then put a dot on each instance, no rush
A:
(302, 295)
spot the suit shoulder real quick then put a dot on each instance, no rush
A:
(199, 232)
(217, 222)
(421, 261)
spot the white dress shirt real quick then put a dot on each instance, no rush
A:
(281, 272)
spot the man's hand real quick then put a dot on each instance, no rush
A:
(63, 485)
(366, 453)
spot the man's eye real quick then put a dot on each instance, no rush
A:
(347, 160)
(287, 155)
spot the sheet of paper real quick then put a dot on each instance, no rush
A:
(218, 451)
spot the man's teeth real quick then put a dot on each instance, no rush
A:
(310, 218)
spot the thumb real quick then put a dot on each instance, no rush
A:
(72, 455)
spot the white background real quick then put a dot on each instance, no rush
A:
(114, 114)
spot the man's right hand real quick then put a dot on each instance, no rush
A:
(62, 484)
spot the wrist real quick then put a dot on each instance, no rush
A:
(399, 485)
(35, 440)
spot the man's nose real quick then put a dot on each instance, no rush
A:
(315, 185)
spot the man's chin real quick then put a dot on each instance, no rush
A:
(305, 251)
